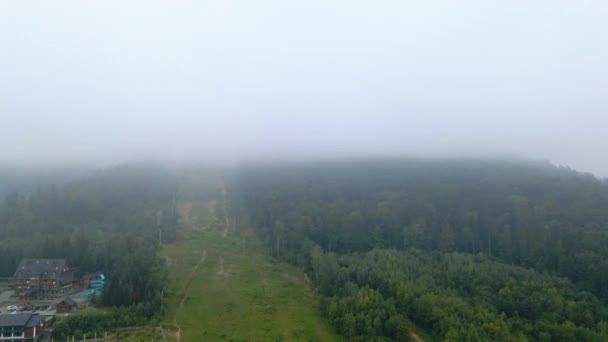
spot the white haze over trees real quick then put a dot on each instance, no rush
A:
(110, 81)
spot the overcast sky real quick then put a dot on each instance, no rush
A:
(223, 80)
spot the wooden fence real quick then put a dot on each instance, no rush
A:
(106, 336)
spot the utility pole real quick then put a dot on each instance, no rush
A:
(489, 245)
(173, 204)
(162, 298)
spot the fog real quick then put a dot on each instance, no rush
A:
(110, 81)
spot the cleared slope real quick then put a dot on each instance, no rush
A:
(220, 293)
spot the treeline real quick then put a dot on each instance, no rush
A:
(520, 213)
(457, 297)
(109, 222)
(26, 178)
(95, 321)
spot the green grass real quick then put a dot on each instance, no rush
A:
(236, 297)
(140, 335)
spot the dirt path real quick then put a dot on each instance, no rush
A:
(415, 337)
(225, 207)
(177, 335)
(187, 286)
(188, 219)
(185, 214)
(220, 267)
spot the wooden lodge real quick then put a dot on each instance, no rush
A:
(43, 277)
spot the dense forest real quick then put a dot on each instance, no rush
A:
(110, 221)
(27, 177)
(462, 249)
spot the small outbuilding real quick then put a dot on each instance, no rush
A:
(67, 305)
(88, 278)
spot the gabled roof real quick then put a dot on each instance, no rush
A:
(69, 301)
(92, 275)
(40, 266)
(67, 278)
(33, 321)
(19, 320)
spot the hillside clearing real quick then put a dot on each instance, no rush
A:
(219, 293)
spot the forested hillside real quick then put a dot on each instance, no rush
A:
(25, 178)
(109, 221)
(510, 215)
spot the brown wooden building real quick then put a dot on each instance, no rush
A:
(86, 279)
(67, 305)
(43, 277)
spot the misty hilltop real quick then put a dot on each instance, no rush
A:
(304, 171)
(110, 81)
